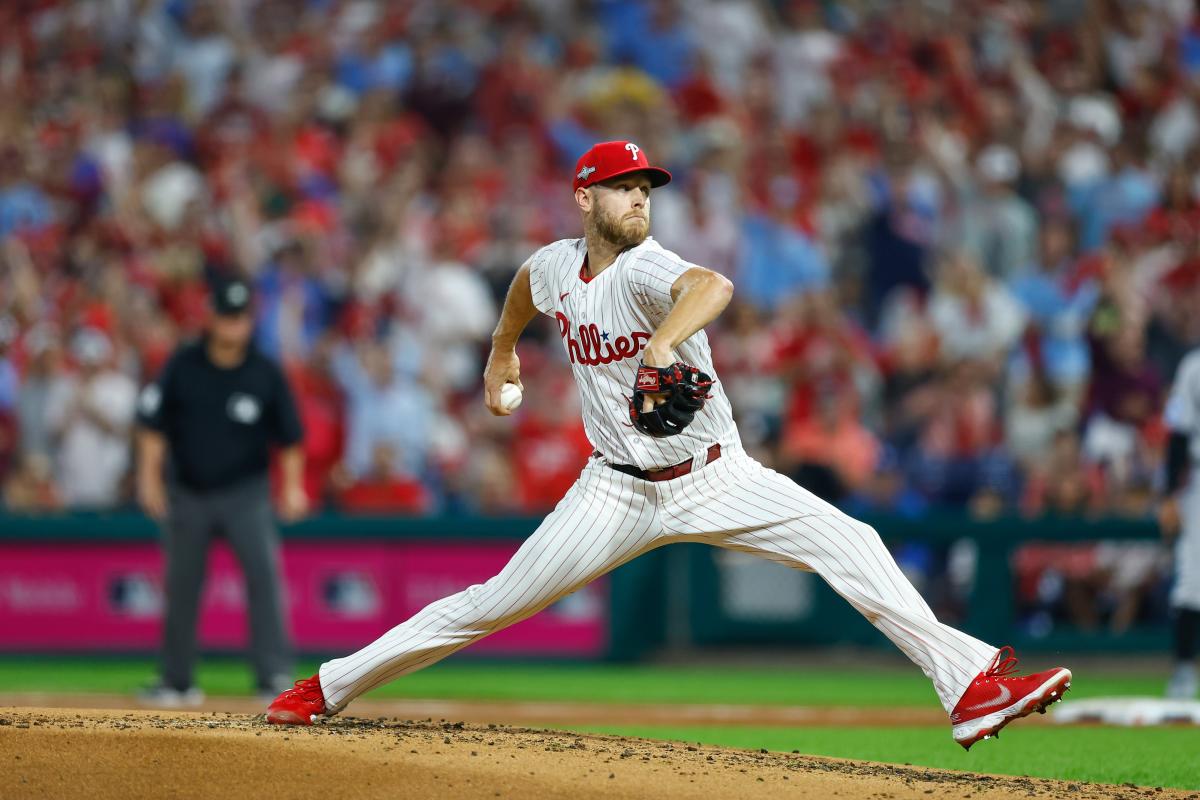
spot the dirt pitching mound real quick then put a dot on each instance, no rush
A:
(100, 754)
(564, 714)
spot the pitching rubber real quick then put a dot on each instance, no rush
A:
(1049, 693)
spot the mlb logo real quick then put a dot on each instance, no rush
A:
(647, 380)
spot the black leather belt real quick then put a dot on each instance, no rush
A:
(666, 473)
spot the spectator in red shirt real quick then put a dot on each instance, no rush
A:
(385, 488)
(549, 449)
(322, 411)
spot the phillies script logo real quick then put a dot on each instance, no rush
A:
(594, 348)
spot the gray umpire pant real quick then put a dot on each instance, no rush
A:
(243, 514)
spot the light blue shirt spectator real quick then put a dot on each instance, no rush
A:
(661, 47)
(382, 408)
(1061, 313)
(777, 263)
(1124, 198)
(390, 67)
(23, 206)
(571, 140)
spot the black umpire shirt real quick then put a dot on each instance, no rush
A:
(219, 423)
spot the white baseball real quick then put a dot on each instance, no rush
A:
(510, 396)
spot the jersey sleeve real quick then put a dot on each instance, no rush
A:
(155, 400)
(654, 273)
(542, 282)
(1182, 413)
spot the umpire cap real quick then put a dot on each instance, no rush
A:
(231, 297)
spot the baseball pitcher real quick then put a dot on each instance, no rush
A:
(668, 467)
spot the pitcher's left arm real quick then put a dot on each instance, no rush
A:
(699, 295)
(668, 395)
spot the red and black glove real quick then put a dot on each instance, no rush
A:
(684, 388)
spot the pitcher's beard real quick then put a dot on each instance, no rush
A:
(613, 230)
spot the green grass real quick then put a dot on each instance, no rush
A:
(1145, 756)
(865, 687)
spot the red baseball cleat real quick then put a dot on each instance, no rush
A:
(299, 705)
(996, 697)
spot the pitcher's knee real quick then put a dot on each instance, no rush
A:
(863, 531)
(485, 608)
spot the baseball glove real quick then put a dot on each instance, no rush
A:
(685, 389)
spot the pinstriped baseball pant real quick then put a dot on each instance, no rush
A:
(608, 518)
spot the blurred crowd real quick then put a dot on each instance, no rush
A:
(965, 234)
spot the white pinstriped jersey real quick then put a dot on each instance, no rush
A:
(605, 323)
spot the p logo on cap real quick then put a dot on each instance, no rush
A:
(610, 159)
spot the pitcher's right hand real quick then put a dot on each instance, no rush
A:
(502, 367)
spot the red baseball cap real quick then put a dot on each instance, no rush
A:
(610, 159)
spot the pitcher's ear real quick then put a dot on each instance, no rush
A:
(583, 198)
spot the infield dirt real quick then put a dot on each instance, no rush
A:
(101, 754)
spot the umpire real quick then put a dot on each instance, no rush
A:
(207, 426)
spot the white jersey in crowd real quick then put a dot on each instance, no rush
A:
(605, 323)
(1182, 415)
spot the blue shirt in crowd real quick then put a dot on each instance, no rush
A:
(777, 262)
(1061, 313)
(23, 206)
(399, 414)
